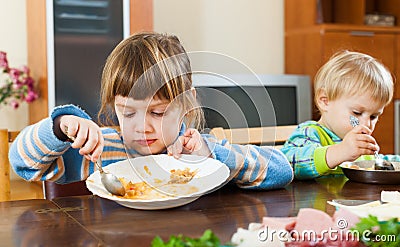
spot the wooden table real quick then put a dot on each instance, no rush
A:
(93, 221)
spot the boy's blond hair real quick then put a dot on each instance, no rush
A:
(348, 73)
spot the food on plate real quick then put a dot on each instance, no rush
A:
(390, 196)
(144, 190)
(135, 190)
(309, 228)
(179, 176)
(146, 168)
(386, 208)
(256, 236)
(158, 188)
(356, 167)
(365, 165)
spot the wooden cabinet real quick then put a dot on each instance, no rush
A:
(316, 29)
(141, 19)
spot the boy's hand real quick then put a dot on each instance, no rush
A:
(356, 142)
(86, 134)
(191, 142)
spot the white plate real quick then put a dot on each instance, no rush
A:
(155, 171)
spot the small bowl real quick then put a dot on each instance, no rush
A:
(366, 173)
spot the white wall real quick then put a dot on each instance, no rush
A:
(250, 31)
(13, 30)
(13, 41)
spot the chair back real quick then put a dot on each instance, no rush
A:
(274, 135)
(50, 189)
(6, 138)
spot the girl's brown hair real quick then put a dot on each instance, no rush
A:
(149, 65)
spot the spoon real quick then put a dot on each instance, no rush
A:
(380, 164)
(110, 181)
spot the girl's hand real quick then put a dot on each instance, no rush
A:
(191, 142)
(85, 133)
(356, 142)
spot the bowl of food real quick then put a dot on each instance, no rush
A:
(161, 181)
(364, 172)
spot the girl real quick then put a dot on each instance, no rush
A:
(147, 92)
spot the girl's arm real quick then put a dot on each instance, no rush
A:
(252, 167)
(38, 154)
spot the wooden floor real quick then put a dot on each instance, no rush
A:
(23, 190)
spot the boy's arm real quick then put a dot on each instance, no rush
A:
(37, 153)
(391, 157)
(252, 167)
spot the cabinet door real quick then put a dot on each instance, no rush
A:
(380, 46)
(397, 71)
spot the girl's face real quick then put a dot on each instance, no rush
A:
(335, 114)
(148, 126)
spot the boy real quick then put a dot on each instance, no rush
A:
(349, 84)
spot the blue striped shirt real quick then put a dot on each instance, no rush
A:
(37, 154)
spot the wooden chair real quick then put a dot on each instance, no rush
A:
(275, 135)
(50, 189)
(6, 138)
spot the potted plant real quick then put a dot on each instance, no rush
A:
(16, 85)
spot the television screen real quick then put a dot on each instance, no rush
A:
(248, 106)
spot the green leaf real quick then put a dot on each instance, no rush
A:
(388, 231)
(157, 242)
(208, 239)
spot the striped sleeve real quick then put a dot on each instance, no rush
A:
(252, 167)
(306, 154)
(299, 150)
(114, 149)
(37, 154)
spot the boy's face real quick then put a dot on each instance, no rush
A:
(148, 126)
(336, 114)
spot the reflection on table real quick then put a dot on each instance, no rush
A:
(40, 222)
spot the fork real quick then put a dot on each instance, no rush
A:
(380, 164)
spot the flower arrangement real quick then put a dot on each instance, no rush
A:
(16, 85)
